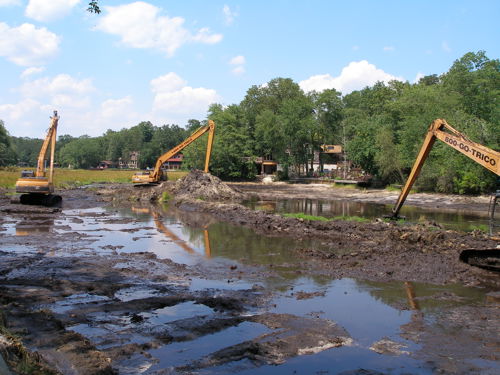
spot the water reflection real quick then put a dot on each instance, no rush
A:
(162, 228)
(34, 226)
(450, 219)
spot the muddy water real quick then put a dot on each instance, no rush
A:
(450, 219)
(386, 323)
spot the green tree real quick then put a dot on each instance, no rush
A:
(7, 154)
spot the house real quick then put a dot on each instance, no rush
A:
(174, 163)
(133, 162)
(266, 165)
(105, 164)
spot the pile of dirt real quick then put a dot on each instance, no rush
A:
(200, 185)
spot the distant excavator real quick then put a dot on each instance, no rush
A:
(488, 158)
(157, 175)
(37, 187)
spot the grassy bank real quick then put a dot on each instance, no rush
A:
(64, 178)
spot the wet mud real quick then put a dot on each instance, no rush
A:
(78, 301)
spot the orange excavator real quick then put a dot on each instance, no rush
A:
(156, 175)
(37, 186)
(488, 158)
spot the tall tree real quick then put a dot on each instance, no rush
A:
(7, 154)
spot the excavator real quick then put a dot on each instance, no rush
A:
(37, 186)
(488, 158)
(157, 175)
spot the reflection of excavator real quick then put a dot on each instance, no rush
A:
(155, 176)
(36, 186)
(162, 228)
(483, 155)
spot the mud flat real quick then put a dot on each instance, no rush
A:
(87, 290)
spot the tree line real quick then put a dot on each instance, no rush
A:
(380, 127)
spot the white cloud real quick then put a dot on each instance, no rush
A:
(140, 26)
(445, 47)
(167, 83)
(237, 60)
(14, 112)
(45, 11)
(174, 97)
(115, 107)
(30, 71)
(4, 3)
(355, 76)
(229, 15)
(27, 45)
(238, 70)
(57, 87)
(40, 97)
(418, 77)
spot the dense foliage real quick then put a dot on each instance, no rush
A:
(381, 128)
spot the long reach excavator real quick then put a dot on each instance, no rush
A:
(157, 175)
(37, 186)
(488, 158)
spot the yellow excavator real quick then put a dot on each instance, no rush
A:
(37, 186)
(488, 158)
(156, 175)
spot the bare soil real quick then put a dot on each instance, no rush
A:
(32, 281)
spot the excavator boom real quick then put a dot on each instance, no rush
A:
(440, 129)
(489, 159)
(36, 186)
(154, 177)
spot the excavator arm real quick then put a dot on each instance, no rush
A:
(441, 130)
(155, 176)
(50, 139)
(36, 185)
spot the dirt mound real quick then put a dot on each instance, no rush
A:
(204, 186)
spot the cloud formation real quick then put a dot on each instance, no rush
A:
(238, 63)
(4, 3)
(229, 15)
(46, 11)
(27, 45)
(174, 97)
(355, 76)
(140, 25)
(30, 71)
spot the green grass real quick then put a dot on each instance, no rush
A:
(306, 217)
(66, 178)
(480, 227)
(357, 219)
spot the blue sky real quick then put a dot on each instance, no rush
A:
(167, 61)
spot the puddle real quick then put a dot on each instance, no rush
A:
(74, 301)
(450, 219)
(181, 353)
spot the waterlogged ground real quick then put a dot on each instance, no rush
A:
(147, 289)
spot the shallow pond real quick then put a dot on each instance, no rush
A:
(374, 314)
(449, 219)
